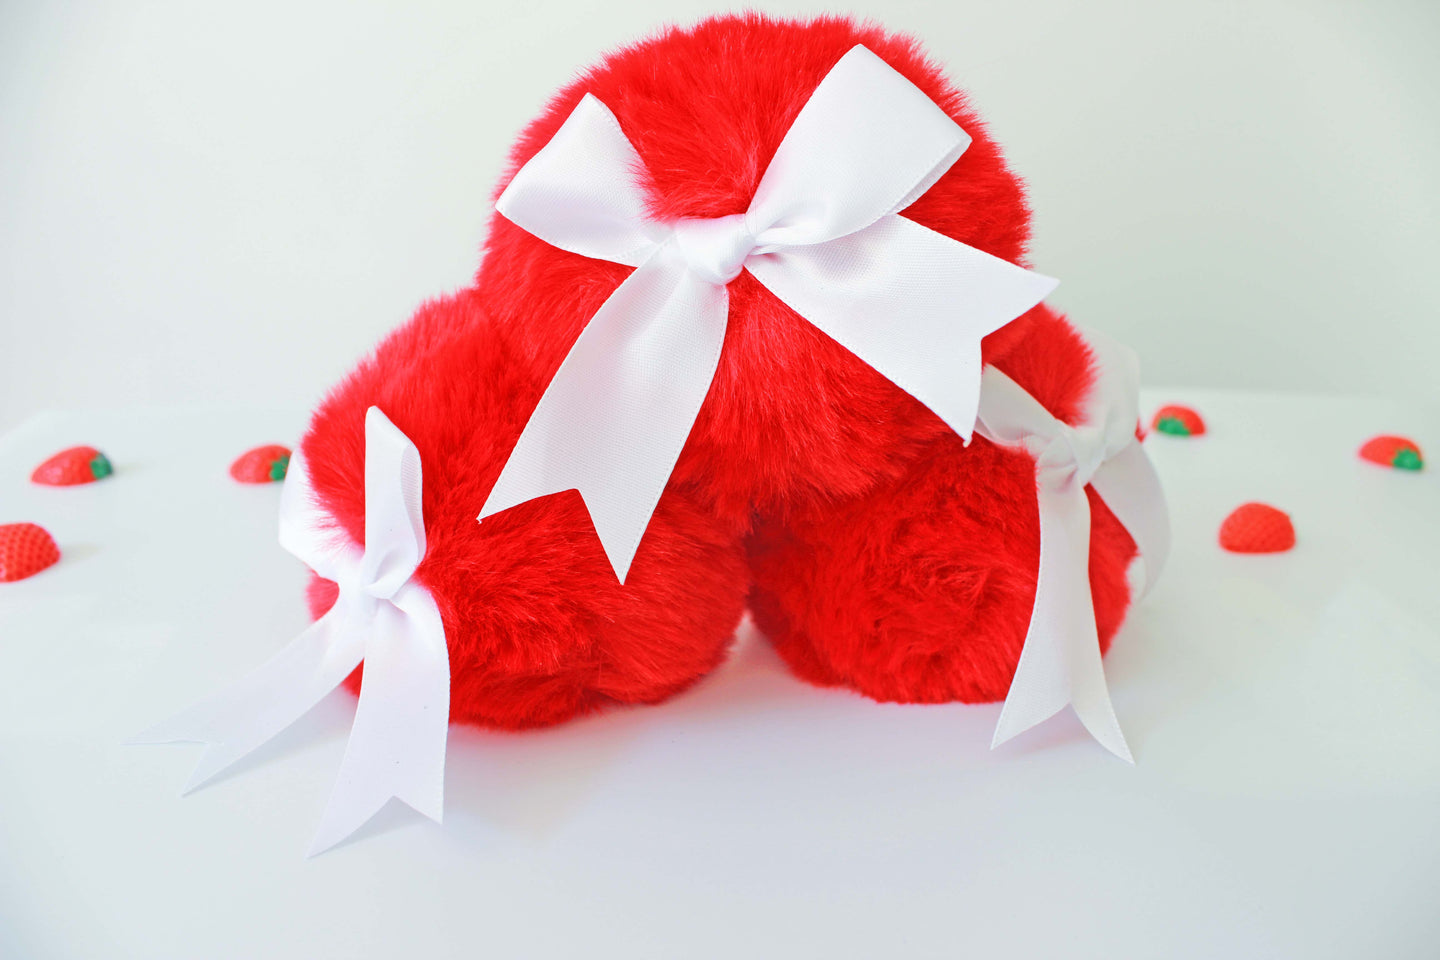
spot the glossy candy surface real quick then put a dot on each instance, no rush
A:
(265, 464)
(1400, 453)
(1257, 528)
(73, 466)
(25, 550)
(1178, 421)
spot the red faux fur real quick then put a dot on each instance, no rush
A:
(791, 414)
(889, 557)
(921, 591)
(537, 626)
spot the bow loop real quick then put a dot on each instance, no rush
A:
(580, 193)
(1117, 406)
(321, 546)
(1070, 454)
(866, 144)
(394, 525)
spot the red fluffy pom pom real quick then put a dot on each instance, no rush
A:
(922, 590)
(791, 415)
(538, 628)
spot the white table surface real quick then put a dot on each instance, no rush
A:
(1284, 712)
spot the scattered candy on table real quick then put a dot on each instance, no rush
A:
(1178, 421)
(1257, 528)
(1397, 452)
(262, 465)
(25, 550)
(73, 466)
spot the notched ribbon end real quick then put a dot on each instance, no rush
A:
(1108, 736)
(1115, 744)
(213, 761)
(336, 826)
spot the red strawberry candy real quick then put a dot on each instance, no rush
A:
(1178, 421)
(1397, 452)
(262, 465)
(25, 550)
(69, 467)
(1257, 528)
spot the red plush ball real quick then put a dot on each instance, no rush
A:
(921, 591)
(791, 415)
(537, 625)
(887, 556)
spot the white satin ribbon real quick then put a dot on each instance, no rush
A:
(822, 233)
(383, 617)
(1060, 662)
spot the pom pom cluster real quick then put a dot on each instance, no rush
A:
(875, 549)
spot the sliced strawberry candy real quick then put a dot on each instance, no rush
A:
(262, 465)
(1257, 528)
(69, 467)
(1398, 452)
(25, 550)
(1178, 421)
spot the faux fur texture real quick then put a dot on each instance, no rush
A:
(537, 626)
(791, 415)
(921, 590)
(888, 557)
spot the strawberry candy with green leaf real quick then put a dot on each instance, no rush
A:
(73, 466)
(1178, 421)
(1397, 452)
(262, 465)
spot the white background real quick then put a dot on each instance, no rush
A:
(229, 202)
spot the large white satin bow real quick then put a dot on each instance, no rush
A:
(822, 233)
(1060, 662)
(383, 617)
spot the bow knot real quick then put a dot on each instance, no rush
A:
(715, 248)
(1071, 454)
(382, 573)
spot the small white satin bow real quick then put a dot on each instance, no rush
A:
(382, 617)
(1060, 662)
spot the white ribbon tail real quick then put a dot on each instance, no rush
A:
(397, 745)
(1128, 484)
(912, 303)
(617, 413)
(1060, 662)
(251, 711)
